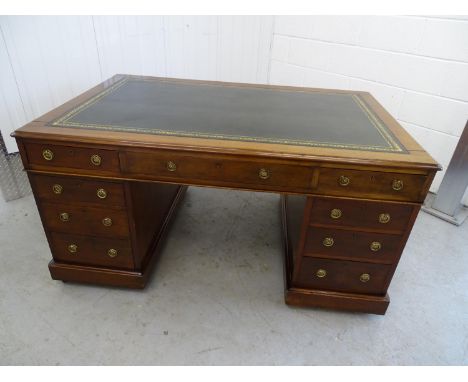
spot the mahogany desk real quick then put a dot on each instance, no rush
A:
(109, 167)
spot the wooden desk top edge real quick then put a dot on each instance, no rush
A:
(416, 157)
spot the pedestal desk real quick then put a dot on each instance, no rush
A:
(109, 168)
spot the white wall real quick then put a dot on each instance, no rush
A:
(417, 67)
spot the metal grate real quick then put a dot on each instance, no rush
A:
(14, 182)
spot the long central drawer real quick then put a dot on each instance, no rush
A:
(225, 171)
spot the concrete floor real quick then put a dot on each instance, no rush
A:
(216, 298)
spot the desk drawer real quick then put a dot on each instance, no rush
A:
(88, 250)
(201, 169)
(85, 220)
(53, 156)
(371, 184)
(343, 276)
(361, 214)
(63, 189)
(356, 246)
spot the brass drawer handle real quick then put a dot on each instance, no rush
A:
(321, 273)
(397, 185)
(171, 166)
(57, 189)
(384, 218)
(101, 193)
(112, 252)
(375, 246)
(328, 241)
(96, 160)
(47, 154)
(263, 173)
(64, 216)
(365, 277)
(344, 181)
(107, 222)
(72, 248)
(335, 213)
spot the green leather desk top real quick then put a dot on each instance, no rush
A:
(291, 117)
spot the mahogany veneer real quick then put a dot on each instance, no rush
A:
(109, 168)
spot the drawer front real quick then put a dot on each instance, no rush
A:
(358, 246)
(224, 172)
(84, 220)
(375, 216)
(62, 189)
(343, 276)
(68, 157)
(371, 184)
(88, 250)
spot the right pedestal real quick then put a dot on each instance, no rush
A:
(341, 253)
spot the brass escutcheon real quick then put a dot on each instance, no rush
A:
(72, 248)
(384, 218)
(263, 173)
(344, 181)
(171, 166)
(96, 160)
(328, 241)
(321, 273)
(47, 154)
(112, 252)
(335, 213)
(107, 222)
(57, 189)
(64, 216)
(101, 193)
(397, 185)
(365, 277)
(375, 246)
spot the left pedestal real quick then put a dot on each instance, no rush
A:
(104, 231)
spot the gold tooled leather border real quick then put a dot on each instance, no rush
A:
(393, 144)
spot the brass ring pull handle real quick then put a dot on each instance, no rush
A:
(101, 193)
(335, 213)
(64, 216)
(47, 154)
(263, 173)
(107, 222)
(321, 273)
(384, 218)
(72, 248)
(397, 185)
(375, 246)
(343, 181)
(96, 160)
(171, 166)
(365, 277)
(57, 189)
(112, 252)
(328, 242)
